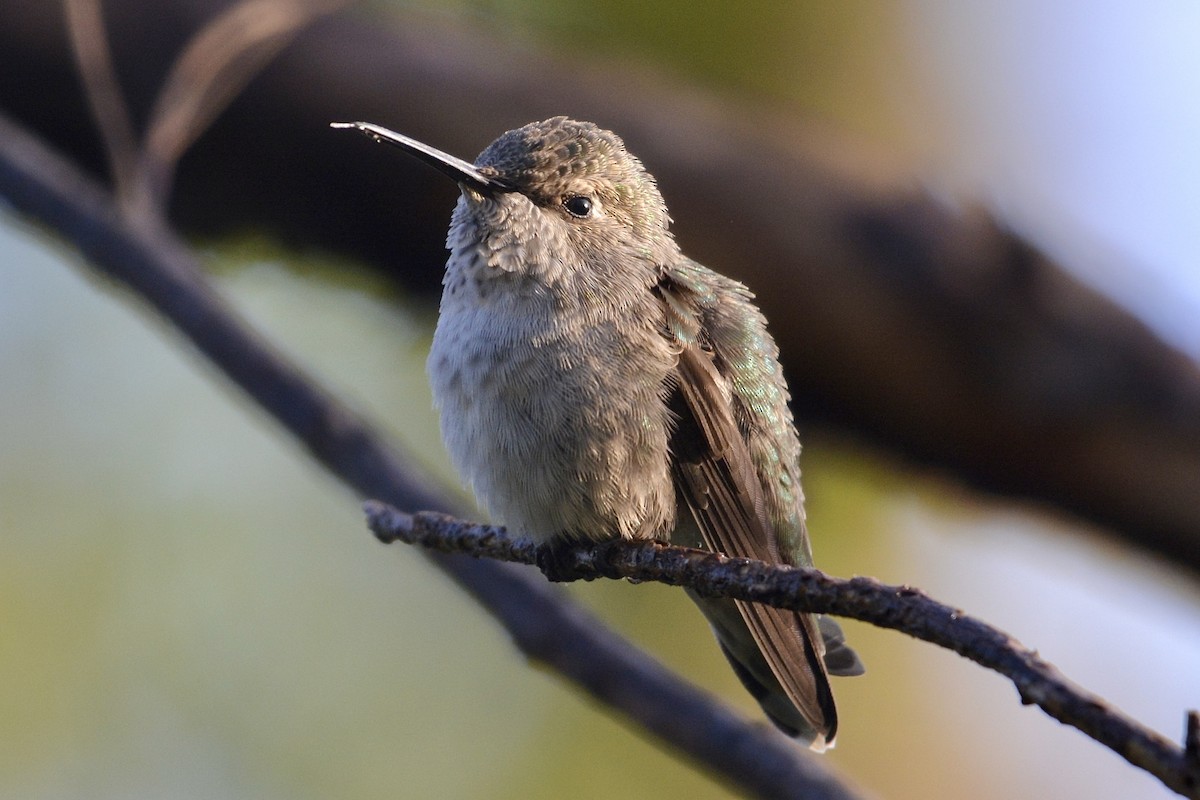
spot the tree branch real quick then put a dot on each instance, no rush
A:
(900, 608)
(143, 255)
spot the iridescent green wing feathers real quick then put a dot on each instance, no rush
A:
(716, 475)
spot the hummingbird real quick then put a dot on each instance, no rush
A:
(594, 382)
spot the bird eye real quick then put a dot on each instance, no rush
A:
(578, 205)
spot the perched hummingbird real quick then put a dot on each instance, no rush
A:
(594, 382)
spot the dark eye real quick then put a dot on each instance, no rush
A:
(578, 205)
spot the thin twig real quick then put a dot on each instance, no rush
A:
(89, 43)
(212, 70)
(900, 608)
(146, 257)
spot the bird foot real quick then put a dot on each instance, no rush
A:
(558, 561)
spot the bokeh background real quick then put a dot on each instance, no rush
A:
(190, 609)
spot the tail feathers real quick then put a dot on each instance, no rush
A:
(753, 670)
(776, 705)
(840, 658)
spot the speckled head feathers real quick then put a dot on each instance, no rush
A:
(557, 157)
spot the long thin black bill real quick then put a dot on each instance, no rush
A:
(456, 168)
